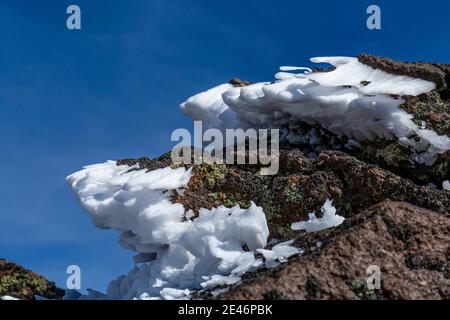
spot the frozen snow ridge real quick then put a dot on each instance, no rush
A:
(446, 185)
(137, 203)
(329, 220)
(8, 298)
(353, 101)
(177, 255)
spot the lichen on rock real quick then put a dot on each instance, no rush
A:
(17, 282)
(302, 186)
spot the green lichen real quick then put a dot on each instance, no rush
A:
(442, 168)
(214, 173)
(230, 200)
(430, 109)
(23, 284)
(284, 231)
(392, 154)
(174, 166)
(20, 283)
(270, 206)
(361, 290)
(293, 194)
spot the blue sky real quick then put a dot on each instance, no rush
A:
(112, 90)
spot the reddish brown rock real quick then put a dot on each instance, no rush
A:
(411, 245)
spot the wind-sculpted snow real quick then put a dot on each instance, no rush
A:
(134, 202)
(353, 101)
(209, 252)
(176, 255)
(329, 219)
(180, 253)
(8, 298)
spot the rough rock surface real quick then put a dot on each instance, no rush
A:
(437, 73)
(18, 282)
(411, 246)
(430, 110)
(301, 186)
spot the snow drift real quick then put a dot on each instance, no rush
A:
(353, 101)
(176, 255)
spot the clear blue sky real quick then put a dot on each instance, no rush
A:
(112, 90)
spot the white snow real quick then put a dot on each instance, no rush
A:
(208, 253)
(176, 256)
(9, 298)
(329, 220)
(279, 253)
(446, 185)
(291, 68)
(353, 101)
(137, 203)
(209, 107)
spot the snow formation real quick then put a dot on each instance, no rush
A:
(134, 202)
(353, 101)
(329, 220)
(279, 253)
(176, 255)
(8, 298)
(446, 185)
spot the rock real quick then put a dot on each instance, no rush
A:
(301, 187)
(437, 73)
(18, 282)
(391, 222)
(430, 110)
(411, 245)
(394, 220)
(236, 82)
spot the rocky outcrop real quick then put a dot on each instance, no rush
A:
(18, 282)
(430, 110)
(394, 218)
(437, 73)
(411, 246)
(301, 187)
(393, 223)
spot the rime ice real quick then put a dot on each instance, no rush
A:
(446, 185)
(178, 253)
(353, 101)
